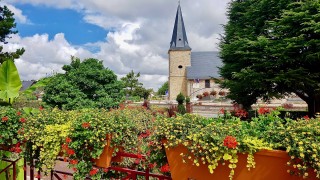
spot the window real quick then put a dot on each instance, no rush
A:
(207, 83)
(180, 66)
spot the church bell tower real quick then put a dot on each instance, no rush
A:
(179, 58)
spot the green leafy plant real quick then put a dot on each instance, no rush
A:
(10, 82)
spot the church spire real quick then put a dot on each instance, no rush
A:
(179, 39)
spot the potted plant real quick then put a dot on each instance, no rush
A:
(227, 147)
(205, 94)
(213, 93)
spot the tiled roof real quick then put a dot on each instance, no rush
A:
(179, 40)
(204, 65)
(26, 84)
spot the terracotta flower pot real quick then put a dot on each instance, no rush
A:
(118, 158)
(269, 165)
(105, 158)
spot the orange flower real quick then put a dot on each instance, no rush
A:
(85, 125)
(5, 118)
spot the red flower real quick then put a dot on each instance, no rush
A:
(139, 156)
(22, 120)
(68, 140)
(93, 172)
(263, 110)
(5, 118)
(18, 113)
(70, 152)
(73, 161)
(151, 166)
(306, 117)
(65, 146)
(105, 170)
(65, 176)
(37, 176)
(85, 125)
(230, 142)
(74, 169)
(241, 113)
(40, 108)
(165, 168)
(222, 111)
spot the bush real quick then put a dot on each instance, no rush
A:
(180, 98)
(188, 99)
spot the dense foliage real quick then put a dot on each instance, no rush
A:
(271, 48)
(86, 84)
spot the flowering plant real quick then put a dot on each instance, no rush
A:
(11, 126)
(213, 93)
(213, 141)
(205, 94)
(45, 131)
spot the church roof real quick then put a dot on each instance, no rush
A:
(179, 40)
(204, 65)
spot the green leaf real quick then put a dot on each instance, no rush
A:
(10, 82)
(227, 157)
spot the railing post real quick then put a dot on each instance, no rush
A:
(14, 170)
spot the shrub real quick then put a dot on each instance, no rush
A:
(180, 98)
(181, 109)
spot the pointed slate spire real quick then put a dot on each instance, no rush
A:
(179, 40)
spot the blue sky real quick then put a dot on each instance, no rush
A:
(52, 21)
(125, 34)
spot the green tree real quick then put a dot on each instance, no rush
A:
(131, 82)
(271, 48)
(162, 90)
(7, 25)
(86, 84)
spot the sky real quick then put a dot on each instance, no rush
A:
(125, 34)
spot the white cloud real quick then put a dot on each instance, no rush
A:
(18, 15)
(138, 40)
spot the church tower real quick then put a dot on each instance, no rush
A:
(179, 58)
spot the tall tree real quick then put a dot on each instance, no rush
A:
(271, 48)
(131, 82)
(162, 90)
(86, 84)
(7, 25)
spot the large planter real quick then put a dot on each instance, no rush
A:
(269, 165)
(105, 158)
